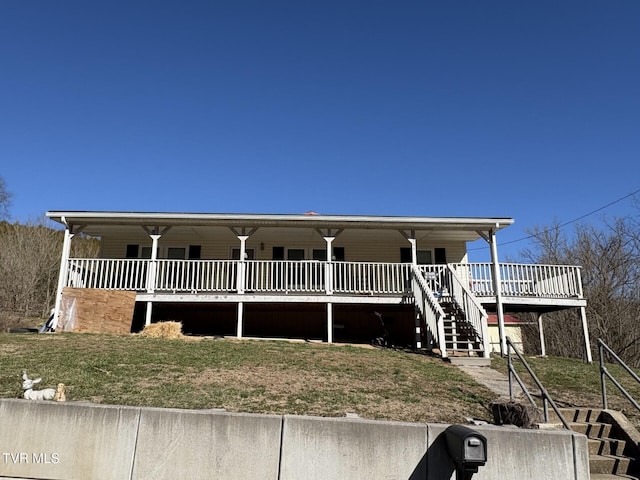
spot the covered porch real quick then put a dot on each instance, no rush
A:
(325, 265)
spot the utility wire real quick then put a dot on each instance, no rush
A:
(566, 223)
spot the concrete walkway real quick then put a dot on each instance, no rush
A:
(495, 381)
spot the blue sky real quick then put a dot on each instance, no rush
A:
(528, 110)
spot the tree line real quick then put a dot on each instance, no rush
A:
(609, 256)
(29, 265)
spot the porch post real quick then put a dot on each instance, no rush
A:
(329, 322)
(585, 329)
(147, 319)
(62, 276)
(497, 287)
(242, 266)
(414, 248)
(328, 275)
(240, 319)
(151, 277)
(543, 348)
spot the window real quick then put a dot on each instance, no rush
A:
(277, 253)
(134, 251)
(321, 254)
(425, 257)
(176, 253)
(295, 254)
(194, 252)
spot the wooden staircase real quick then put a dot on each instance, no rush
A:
(461, 339)
(611, 455)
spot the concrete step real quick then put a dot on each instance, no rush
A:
(606, 446)
(608, 464)
(469, 361)
(592, 429)
(582, 415)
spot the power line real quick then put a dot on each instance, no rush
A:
(566, 223)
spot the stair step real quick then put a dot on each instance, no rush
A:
(608, 464)
(581, 415)
(592, 429)
(471, 361)
(606, 446)
(463, 349)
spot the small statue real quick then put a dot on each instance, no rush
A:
(60, 396)
(31, 394)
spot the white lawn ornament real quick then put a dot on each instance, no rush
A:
(31, 394)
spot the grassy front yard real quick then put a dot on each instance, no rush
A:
(247, 376)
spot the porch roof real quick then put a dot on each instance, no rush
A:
(460, 228)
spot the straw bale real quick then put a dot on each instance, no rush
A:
(167, 329)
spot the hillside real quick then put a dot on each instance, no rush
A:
(274, 377)
(247, 376)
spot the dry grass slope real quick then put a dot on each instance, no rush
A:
(247, 376)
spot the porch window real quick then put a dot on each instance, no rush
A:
(277, 253)
(194, 252)
(295, 254)
(425, 257)
(440, 255)
(176, 253)
(134, 251)
(321, 254)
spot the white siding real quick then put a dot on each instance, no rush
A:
(216, 243)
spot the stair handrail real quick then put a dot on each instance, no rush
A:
(546, 398)
(428, 305)
(473, 309)
(604, 374)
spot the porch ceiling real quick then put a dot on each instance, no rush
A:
(454, 228)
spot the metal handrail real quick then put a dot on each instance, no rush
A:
(546, 398)
(604, 373)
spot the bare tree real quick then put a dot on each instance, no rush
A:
(29, 266)
(610, 261)
(5, 200)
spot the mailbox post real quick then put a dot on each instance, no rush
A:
(468, 450)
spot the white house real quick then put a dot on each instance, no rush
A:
(326, 277)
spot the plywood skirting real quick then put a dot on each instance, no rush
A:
(90, 310)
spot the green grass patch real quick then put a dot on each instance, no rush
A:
(574, 383)
(247, 376)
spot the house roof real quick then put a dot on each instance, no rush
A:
(460, 228)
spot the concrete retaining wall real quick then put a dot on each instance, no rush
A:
(46, 440)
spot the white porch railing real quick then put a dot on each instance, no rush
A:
(223, 276)
(308, 276)
(111, 274)
(430, 310)
(285, 276)
(195, 276)
(522, 280)
(372, 278)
